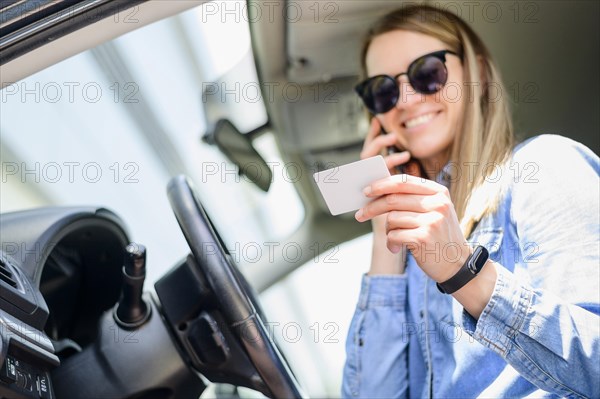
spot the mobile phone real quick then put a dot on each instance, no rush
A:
(401, 169)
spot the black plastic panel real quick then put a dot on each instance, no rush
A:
(30, 239)
(85, 244)
(27, 33)
(140, 363)
(190, 307)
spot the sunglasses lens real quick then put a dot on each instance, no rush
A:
(428, 75)
(380, 94)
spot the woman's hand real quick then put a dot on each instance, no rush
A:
(377, 144)
(419, 216)
(383, 261)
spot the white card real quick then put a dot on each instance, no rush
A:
(342, 186)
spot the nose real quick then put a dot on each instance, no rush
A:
(408, 95)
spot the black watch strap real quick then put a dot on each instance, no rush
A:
(467, 272)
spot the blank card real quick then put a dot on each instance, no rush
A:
(342, 186)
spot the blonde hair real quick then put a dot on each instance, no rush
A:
(485, 136)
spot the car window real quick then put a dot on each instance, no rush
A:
(111, 125)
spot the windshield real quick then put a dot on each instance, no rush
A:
(111, 125)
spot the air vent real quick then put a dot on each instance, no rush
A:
(6, 275)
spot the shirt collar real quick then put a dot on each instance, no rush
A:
(444, 177)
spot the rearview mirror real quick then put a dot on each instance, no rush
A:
(239, 149)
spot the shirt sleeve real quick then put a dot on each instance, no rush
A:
(548, 328)
(376, 347)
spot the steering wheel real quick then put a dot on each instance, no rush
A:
(238, 305)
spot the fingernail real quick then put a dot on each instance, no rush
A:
(367, 190)
(395, 249)
(358, 215)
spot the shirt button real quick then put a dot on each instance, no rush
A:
(421, 314)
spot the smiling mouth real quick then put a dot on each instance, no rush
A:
(419, 120)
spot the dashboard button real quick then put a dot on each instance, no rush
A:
(42, 385)
(9, 371)
(21, 380)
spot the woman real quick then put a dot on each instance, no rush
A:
(515, 316)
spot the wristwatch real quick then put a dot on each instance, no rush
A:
(467, 272)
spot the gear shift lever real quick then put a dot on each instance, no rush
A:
(132, 311)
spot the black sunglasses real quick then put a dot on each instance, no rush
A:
(427, 75)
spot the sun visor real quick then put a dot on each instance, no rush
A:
(321, 116)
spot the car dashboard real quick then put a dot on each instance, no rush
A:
(64, 279)
(61, 276)
(59, 271)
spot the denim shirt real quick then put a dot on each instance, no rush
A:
(538, 336)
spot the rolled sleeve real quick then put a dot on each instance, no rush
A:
(503, 316)
(553, 344)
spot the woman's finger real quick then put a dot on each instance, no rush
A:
(375, 146)
(396, 159)
(408, 238)
(391, 202)
(403, 220)
(404, 183)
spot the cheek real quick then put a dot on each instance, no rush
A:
(452, 121)
(456, 93)
(455, 107)
(455, 97)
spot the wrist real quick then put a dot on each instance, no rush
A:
(470, 269)
(451, 269)
(476, 294)
(383, 261)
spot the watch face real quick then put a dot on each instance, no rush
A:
(476, 261)
(472, 267)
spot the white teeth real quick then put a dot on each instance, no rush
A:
(419, 120)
